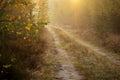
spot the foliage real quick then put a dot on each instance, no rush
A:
(107, 16)
(18, 33)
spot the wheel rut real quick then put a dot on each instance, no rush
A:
(66, 70)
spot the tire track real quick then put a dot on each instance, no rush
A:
(67, 70)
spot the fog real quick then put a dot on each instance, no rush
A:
(89, 18)
(64, 11)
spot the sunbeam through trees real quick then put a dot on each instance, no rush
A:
(59, 40)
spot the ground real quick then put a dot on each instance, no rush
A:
(78, 60)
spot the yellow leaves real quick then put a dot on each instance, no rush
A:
(30, 25)
(19, 17)
(28, 19)
(18, 33)
(27, 28)
(36, 30)
(7, 66)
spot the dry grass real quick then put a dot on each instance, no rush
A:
(107, 40)
(91, 64)
(49, 68)
(22, 57)
(25, 60)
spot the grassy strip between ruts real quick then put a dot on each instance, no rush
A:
(48, 70)
(87, 62)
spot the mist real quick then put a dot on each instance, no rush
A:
(96, 19)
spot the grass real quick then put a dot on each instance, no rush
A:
(106, 40)
(49, 68)
(89, 63)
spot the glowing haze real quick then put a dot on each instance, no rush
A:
(60, 10)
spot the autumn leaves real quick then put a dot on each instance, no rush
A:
(21, 21)
(20, 33)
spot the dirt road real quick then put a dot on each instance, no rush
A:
(79, 59)
(67, 70)
(112, 58)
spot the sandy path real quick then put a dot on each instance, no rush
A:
(67, 70)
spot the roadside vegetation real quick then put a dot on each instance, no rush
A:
(50, 63)
(27, 48)
(23, 44)
(90, 64)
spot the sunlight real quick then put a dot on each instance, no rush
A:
(74, 2)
